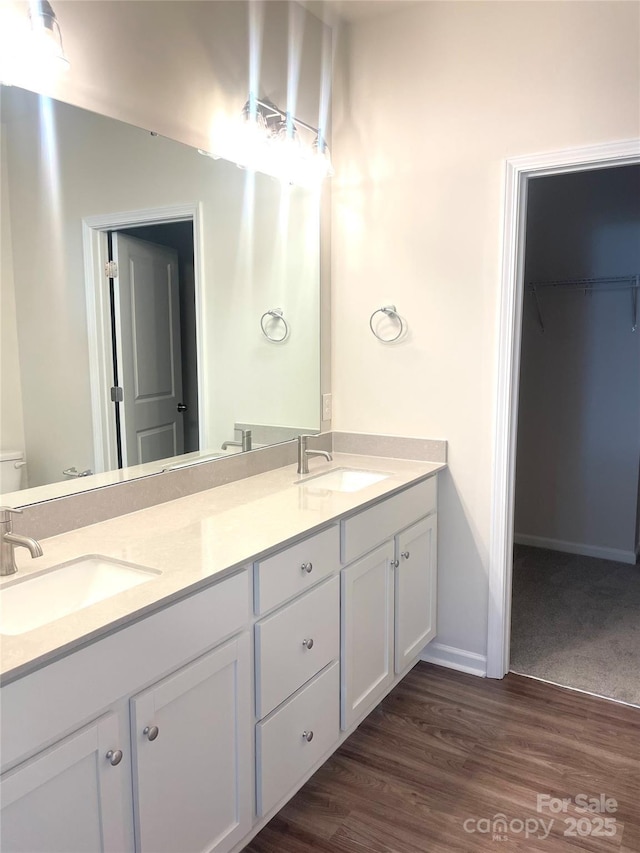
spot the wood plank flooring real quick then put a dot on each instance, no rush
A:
(445, 753)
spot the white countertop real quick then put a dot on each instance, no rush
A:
(192, 541)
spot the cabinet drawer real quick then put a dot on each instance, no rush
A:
(295, 569)
(369, 528)
(283, 754)
(295, 643)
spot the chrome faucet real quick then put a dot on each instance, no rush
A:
(9, 541)
(245, 444)
(304, 453)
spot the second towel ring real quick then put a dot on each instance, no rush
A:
(390, 311)
(276, 314)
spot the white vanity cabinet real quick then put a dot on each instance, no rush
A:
(188, 729)
(388, 596)
(97, 751)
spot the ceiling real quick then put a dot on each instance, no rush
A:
(353, 10)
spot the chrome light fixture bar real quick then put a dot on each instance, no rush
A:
(279, 128)
(45, 27)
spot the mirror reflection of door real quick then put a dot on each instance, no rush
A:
(154, 348)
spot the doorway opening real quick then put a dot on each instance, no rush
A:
(154, 342)
(576, 588)
(519, 173)
(144, 312)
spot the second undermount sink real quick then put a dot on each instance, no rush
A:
(37, 599)
(344, 479)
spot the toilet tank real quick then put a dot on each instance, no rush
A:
(11, 467)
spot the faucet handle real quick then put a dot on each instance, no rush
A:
(5, 513)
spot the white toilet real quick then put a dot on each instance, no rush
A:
(11, 466)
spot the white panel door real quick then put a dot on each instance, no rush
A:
(415, 590)
(191, 736)
(70, 798)
(147, 311)
(367, 633)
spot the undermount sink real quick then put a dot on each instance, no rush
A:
(30, 602)
(344, 479)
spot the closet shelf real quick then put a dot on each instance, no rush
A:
(590, 285)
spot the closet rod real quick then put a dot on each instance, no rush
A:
(590, 285)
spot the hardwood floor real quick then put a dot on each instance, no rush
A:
(445, 753)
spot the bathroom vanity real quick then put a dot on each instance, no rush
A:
(182, 714)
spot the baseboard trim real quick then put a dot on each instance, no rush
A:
(616, 554)
(453, 658)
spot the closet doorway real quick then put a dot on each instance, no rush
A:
(575, 617)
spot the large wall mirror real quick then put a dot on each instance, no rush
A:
(157, 305)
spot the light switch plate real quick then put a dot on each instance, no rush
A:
(326, 407)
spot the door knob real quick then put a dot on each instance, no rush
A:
(182, 407)
(308, 644)
(151, 732)
(308, 736)
(405, 554)
(307, 567)
(395, 563)
(114, 756)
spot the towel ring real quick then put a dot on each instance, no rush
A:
(390, 311)
(275, 314)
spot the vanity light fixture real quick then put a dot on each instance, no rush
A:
(271, 142)
(47, 35)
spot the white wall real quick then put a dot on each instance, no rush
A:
(181, 67)
(579, 411)
(11, 418)
(432, 100)
(252, 261)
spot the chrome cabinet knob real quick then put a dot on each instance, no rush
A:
(307, 567)
(405, 554)
(308, 644)
(151, 732)
(308, 736)
(395, 563)
(114, 757)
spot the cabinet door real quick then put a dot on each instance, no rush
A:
(367, 633)
(192, 755)
(69, 798)
(415, 590)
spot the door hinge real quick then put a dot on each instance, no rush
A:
(111, 269)
(117, 394)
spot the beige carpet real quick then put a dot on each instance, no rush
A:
(576, 622)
